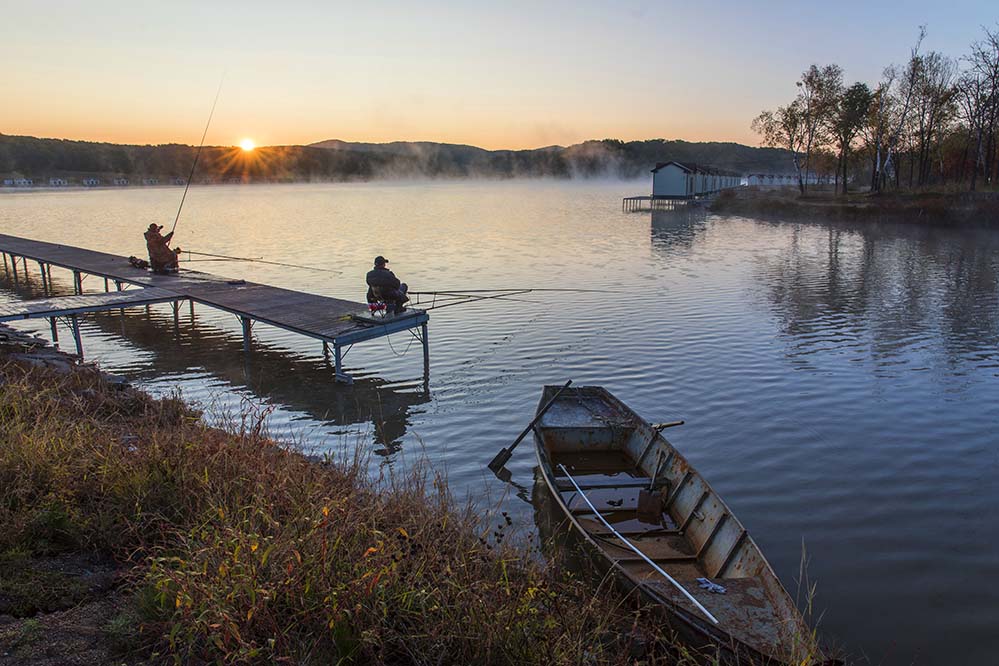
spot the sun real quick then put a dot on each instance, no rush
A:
(247, 145)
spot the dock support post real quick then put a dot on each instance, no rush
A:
(247, 327)
(191, 304)
(13, 262)
(45, 280)
(339, 374)
(107, 286)
(326, 350)
(76, 336)
(55, 329)
(424, 334)
(77, 282)
(6, 269)
(176, 314)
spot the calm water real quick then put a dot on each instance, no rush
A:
(839, 382)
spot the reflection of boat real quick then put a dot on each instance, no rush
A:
(597, 455)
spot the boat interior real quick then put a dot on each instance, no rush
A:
(651, 497)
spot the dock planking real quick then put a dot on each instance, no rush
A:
(337, 323)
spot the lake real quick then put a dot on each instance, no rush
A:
(839, 382)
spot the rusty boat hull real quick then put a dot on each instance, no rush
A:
(614, 456)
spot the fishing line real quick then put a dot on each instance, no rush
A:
(225, 257)
(198, 154)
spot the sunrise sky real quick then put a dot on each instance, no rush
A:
(496, 75)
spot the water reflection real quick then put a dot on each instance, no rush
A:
(883, 288)
(675, 231)
(296, 381)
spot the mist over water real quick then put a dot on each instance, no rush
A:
(839, 382)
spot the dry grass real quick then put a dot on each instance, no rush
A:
(245, 552)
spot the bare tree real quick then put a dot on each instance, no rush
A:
(892, 103)
(818, 90)
(784, 128)
(984, 66)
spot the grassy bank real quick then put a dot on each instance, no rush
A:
(227, 548)
(945, 208)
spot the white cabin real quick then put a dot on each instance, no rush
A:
(672, 180)
(57, 182)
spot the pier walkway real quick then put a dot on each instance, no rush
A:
(337, 323)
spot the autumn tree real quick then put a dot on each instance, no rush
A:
(845, 120)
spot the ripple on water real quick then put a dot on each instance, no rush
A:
(838, 381)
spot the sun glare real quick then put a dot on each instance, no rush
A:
(247, 145)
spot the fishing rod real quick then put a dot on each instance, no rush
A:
(457, 292)
(190, 176)
(225, 257)
(473, 299)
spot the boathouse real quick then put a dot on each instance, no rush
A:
(673, 180)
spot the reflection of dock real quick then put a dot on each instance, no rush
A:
(336, 323)
(299, 382)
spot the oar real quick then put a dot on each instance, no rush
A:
(503, 456)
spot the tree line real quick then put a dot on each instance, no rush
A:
(338, 160)
(929, 123)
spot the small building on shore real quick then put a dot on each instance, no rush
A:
(787, 179)
(58, 182)
(150, 181)
(120, 181)
(91, 182)
(673, 180)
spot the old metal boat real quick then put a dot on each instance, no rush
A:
(605, 467)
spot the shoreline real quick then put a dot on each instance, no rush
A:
(971, 209)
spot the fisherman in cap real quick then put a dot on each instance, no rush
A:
(384, 286)
(162, 259)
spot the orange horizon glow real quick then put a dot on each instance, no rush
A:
(247, 145)
(478, 74)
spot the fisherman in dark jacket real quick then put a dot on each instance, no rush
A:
(384, 286)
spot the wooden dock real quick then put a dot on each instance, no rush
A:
(646, 203)
(337, 323)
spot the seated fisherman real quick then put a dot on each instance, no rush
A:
(161, 258)
(384, 286)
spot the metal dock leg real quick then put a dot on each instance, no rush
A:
(6, 269)
(77, 282)
(76, 336)
(55, 330)
(424, 334)
(339, 374)
(45, 282)
(13, 262)
(247, 328)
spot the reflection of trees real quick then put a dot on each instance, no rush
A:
(299, 382)
(674, 231)
(885, 287)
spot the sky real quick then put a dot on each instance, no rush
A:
(492, 74)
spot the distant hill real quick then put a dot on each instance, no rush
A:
(335, 160)
(590, 159)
